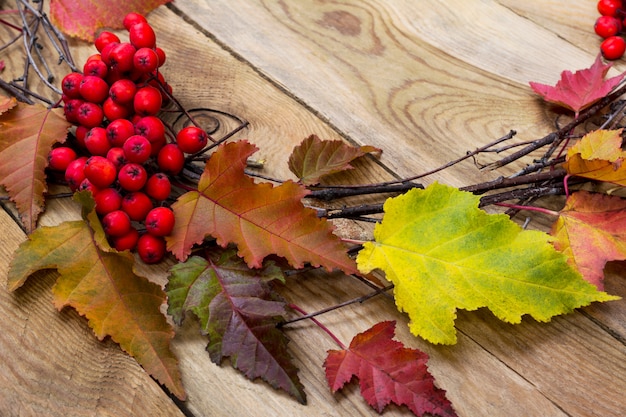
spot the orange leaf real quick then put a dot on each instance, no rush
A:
(314, 158)
(101, 285)
(7, 103)
(598, 156)
(27, 134)
(259, 218)
(83, 18)
(591, 230)
(388, 372)
(581, 89)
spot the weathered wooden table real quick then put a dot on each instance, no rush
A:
(423, 80)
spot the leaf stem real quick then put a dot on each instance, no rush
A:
(529, 208)
(317, 323)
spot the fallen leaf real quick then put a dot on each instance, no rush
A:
(101, 285)
(388, 372)
(259, 218)
(443, 253)
(598, 156)
(27, 134)
(581, 89)
(239, 313)
(314, 158)
(591, 230)
(7, 103)
(83, 18)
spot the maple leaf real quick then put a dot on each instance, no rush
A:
(82, 19)
(442, 253)
(27, 133)
(7, 103)
(388, 372)
(581, 89)
(259, 218)
(101, 285)
(314, 158)
(239, 313)
(598, 156)
(591, 230)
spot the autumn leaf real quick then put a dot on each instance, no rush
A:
(259, 218)
(388, 372)
(591, 230)
(83, 18)
(238, 312)
(101, 285)
(581, 89)
(443, 253)
(598, 156)
(7, 103)
(27, 133)
(314, 158)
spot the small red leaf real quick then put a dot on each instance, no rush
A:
(581, 89)
(387, 372)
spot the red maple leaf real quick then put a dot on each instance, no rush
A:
(581, 89)
(387, 372)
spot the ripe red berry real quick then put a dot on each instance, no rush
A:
(151, 127)
(90, 114)
(132, 19)
(108, 200)
(75, 172)
(137, 149)
(70, 109)
(71, 84)
(80, 133)
(191, 139)
(147, 101)
(86, 185)
(171, 159)
(96, 141)
(96, 68)
(609, 7)
(120, 58)
(151, 249)
(161, 54)
(132, 177)
(158, 186)
(100, 171)
(606, 26)
(127, 241)
(59, 158)
(145, 60)
(141, 35)
(160, 221)
(114, 111)
(137, 205)
(119, 130)
(613, 47)
(116, 223)
(123, 91)
(94, 89)
(116, 155)
(105, 38)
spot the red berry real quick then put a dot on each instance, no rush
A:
(151, 127)
(145, 60)
(160, 221)
(71, 84)
(86, 185)
(96, 141)
(113, 111)
(171, 159)
(94, 89)
(120, 58)
(157, 145)
(96, 68)
(142, 35)
(70, 109)
(90, 114)
(105, 38)
(161, 54)
(158, 186)
(100, 171)
(147, 101)
(127, 241)
(116, 223)
(123, 91)
(80, 133)
(119, 130)
(137, 149)
(151, 249)
(108, 200)
(75, 172)
(132, 177)
(606, 26)
(609, 7)
(59, 158)
(137, 205)
(132, 19)
(613, 47)
(191, 139)
(116, 155)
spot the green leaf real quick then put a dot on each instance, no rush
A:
(443, 253)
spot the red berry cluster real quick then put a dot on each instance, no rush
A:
(122, 153)
(609, 26)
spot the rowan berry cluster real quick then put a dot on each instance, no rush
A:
(122, 152)
(609, 26)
